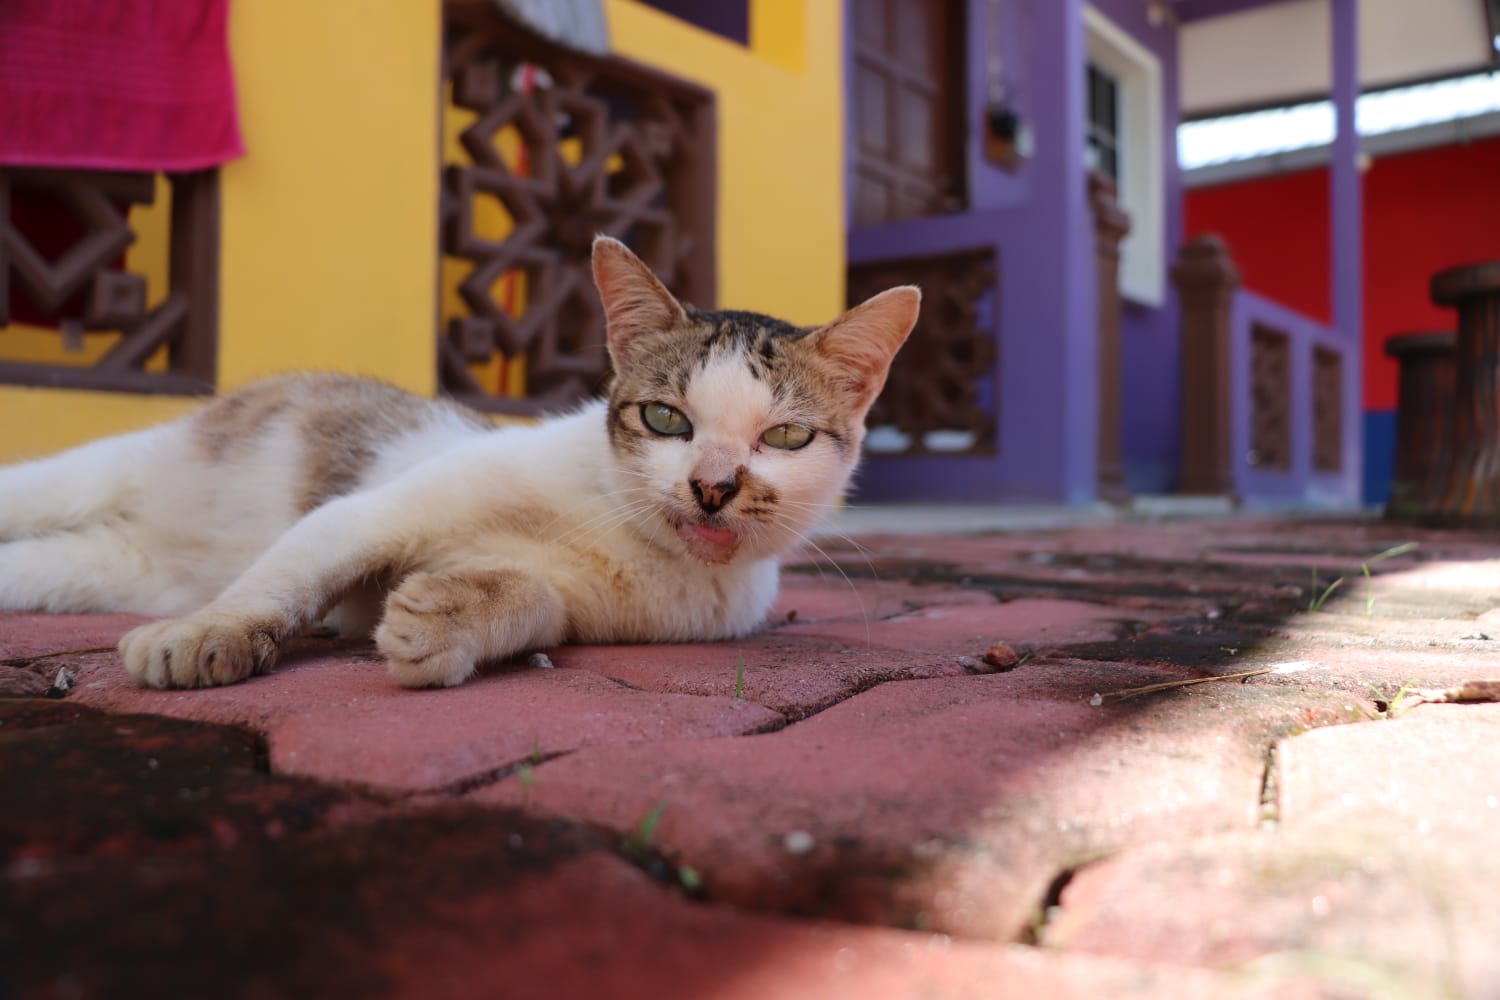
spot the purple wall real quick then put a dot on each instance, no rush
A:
(1039, 224)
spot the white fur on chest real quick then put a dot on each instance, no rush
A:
(539, 499)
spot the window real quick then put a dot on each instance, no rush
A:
(907, 107)
(727, 18)
(1126, 140)
(1104, 123)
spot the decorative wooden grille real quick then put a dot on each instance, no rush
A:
(939, 395)
(1270, 398)
(82, 289)
(610, 147)
(1328, 407)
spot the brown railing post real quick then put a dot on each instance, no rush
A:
(1424, 411)
(1111, 223)
(1471, 494)
(1206, 279)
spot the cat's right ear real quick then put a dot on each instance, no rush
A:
(636, 304)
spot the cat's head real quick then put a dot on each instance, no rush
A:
(732, 432)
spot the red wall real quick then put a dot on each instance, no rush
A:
(1424, 211)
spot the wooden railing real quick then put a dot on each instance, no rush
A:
(1266, 403)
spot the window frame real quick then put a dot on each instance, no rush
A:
(1141, 150)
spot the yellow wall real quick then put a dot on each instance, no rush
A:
(329, 222)
(781, 140)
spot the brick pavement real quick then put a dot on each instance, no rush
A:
(865, 808)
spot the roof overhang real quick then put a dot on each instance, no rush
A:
(1242, 54)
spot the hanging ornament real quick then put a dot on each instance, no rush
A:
(1006, 134)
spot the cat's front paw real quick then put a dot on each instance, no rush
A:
(425, 635)
(200, 650)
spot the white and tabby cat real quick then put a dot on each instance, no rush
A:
(655, 515)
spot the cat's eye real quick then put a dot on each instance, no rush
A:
(665, 420)
(787, 437)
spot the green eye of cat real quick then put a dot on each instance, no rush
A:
(665, 420)
(787, 437)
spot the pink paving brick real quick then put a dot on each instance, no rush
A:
(948, 804)
(1387, 916)
(23, 634)
(794, 675)
(343, 719)
(1433, 772)
(829, 597)
(970, 629)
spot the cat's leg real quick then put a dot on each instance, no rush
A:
(91, 569)
(90, 483)
(304, 573)
(439, 626)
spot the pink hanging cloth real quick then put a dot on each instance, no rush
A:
(117, 85)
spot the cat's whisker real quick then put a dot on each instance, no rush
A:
(600, 523)
(864, 612)
(590, 502)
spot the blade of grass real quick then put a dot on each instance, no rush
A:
(1321, 598)
(639, 841)
(739, 680)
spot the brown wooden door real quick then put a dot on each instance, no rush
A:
(907, 108)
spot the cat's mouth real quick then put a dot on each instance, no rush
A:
(710, 543)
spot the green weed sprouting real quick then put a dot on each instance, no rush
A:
(638, 844)
(1318, 599)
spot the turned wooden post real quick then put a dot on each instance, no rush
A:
(1111, 223)
(1424, 407)
(1206, 279)
(1471, 491)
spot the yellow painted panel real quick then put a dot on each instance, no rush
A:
(148, 255)
(781, 201)
(778, 31)
(55, 419)
(330, 220)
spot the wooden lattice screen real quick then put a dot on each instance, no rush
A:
(601, 145)
(1270, 398)
(81, 288)
(936, 398)
(1328, 409)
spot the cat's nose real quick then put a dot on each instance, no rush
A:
(713, 496)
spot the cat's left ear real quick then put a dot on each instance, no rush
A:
(636, 304)
(865, 339)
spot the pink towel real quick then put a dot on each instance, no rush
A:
(116, 84)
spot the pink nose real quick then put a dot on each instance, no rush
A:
(713, 496)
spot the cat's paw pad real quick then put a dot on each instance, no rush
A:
(422, 634)
(198, 651)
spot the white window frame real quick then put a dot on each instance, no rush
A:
(1142, 192)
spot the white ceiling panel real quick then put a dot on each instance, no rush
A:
(1280, 52)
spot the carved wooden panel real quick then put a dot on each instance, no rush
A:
(1270, 398)
(939, 397)
(599, 145)
(907, 98)
(63, 234)
(1328, 410)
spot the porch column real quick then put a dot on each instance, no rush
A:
(1345, 197)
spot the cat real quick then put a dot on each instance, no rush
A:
(656, 514)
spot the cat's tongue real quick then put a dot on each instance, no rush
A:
(713, 544)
